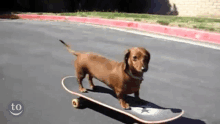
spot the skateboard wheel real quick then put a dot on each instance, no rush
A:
(76, 103)
(79, 102)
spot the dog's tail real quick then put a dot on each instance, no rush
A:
(69, 49)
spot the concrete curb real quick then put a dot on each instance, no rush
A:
(173, 31)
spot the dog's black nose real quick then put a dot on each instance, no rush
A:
(144, 69)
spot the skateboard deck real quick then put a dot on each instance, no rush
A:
(145, 112)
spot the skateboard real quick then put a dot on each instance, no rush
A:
(144, 111)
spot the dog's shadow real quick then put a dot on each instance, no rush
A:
(132, 102)
(100, 89)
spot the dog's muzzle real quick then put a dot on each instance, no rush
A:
(144, 69)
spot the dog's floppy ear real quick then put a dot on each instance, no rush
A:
(149, 56)
(127, 53)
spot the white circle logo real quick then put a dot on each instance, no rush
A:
(16, 108)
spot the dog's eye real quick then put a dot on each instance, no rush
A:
(134, 58)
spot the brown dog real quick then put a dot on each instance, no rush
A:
(124, 77)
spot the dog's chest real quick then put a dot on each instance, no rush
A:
(132, 86)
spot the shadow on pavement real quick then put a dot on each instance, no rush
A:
(184, 120)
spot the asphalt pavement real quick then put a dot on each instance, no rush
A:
(33, 62)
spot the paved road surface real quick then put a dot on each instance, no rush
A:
(33, 61)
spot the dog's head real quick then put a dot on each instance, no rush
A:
(137, 59)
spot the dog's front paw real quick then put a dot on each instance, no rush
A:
(125, 105)
(83, 90)
(93, 87)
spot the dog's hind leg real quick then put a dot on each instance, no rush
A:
(80, 74)
(90, 81)
(81, 88)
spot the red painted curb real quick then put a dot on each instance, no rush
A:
(173, 31)
(41, 17)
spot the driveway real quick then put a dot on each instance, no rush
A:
(33, 62)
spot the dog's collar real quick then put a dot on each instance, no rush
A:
(133, 76)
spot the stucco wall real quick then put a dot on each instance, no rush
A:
(196, 7)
